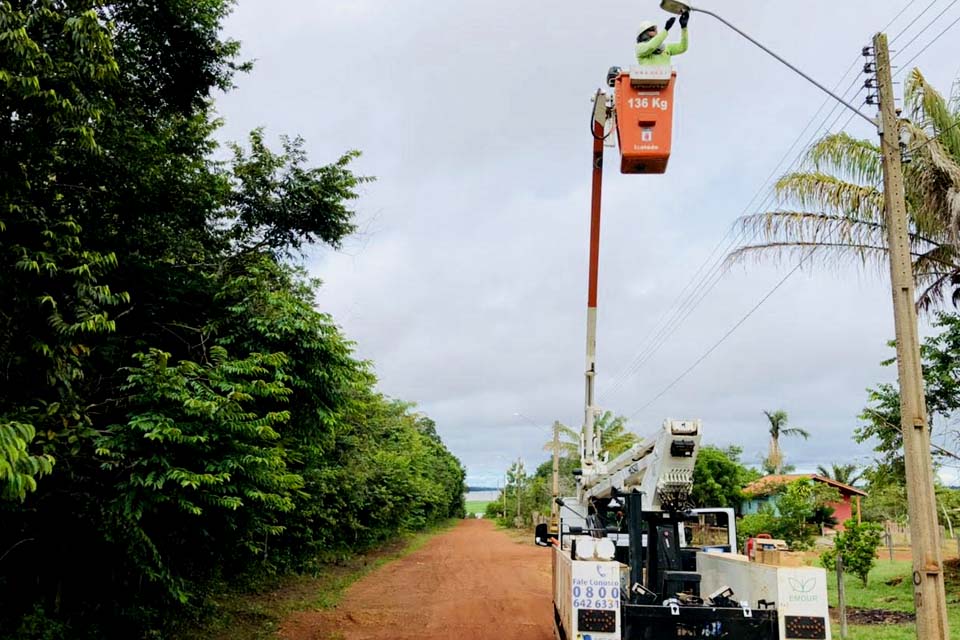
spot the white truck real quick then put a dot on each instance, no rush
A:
(631, 561)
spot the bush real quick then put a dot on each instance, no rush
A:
(765, 521)
(857, 546)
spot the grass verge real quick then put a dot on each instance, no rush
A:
(890, 588)
(257, 616)
(477, 506)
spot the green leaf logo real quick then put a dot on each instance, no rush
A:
(802, 586)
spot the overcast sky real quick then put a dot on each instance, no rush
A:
(467, 284)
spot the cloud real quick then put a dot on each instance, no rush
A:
(467, 286)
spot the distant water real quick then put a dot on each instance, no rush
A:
(482, 495)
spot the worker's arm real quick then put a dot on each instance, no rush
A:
(645, 49)
(679, 47)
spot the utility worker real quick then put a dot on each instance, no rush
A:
(650, 49)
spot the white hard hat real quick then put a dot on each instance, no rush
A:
(646, 24)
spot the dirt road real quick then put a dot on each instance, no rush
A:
(470, 583)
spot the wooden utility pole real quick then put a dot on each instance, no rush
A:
(841, 597)
(506, 484)
(554, 507)
(928, 590)
(518, 479)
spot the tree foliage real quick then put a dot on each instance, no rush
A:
(794, 515)
(940, 359)
(845, 473)
(857, 547)
(614, 436)
(176, 414)
(832, 208)
(719, 477)
(778, 427)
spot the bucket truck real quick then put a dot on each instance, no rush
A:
(631, 560)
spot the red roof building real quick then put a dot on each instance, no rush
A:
(763, 491)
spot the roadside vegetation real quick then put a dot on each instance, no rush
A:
(177, 416)
(883, 609)
(257, 614)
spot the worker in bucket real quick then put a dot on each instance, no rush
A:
(650, 48)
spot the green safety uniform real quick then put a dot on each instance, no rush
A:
(650, 52)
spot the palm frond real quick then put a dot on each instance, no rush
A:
(932, 294)
(855, 159)
(826, 253)
(812, 226)
(935, 182)
(929, 110)
(841, 213)
(823, 192)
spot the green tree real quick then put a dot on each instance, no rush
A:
(54, 286)
(192, 453)
(844, 473)
(794, 513)
(614, 437)
(778, 427)
(18, 469)
(176, 414)
(857, 546)
(940, 356)
(719, 477)
(833, 208)
(765, 520)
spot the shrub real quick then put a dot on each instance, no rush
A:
(857, 546)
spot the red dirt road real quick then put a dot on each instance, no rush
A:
(472, 582)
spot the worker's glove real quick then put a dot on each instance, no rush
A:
(669, 24)
(684, 19)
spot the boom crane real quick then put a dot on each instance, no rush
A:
(632, 560)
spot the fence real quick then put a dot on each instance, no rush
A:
(898, 534)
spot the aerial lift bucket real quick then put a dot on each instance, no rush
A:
(644, 108)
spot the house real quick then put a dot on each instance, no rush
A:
(763, 491)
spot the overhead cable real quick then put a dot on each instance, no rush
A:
(912, 22)
(922, 31)
(927, 46)
(725, 336)
(716, 271)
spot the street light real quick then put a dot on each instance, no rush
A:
(674, 6)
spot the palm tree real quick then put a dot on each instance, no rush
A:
(614, 437)
(833, 209)
(845, 473)
(778, 427)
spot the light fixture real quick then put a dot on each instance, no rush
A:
(674, 7)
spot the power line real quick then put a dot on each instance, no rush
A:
(943, 131)
(716, 272)
(922, 31)
(681, 302)
(684, 307)
(927, 46)
(664, 322)
(725, 336)
(933, 445)
(912, 22)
